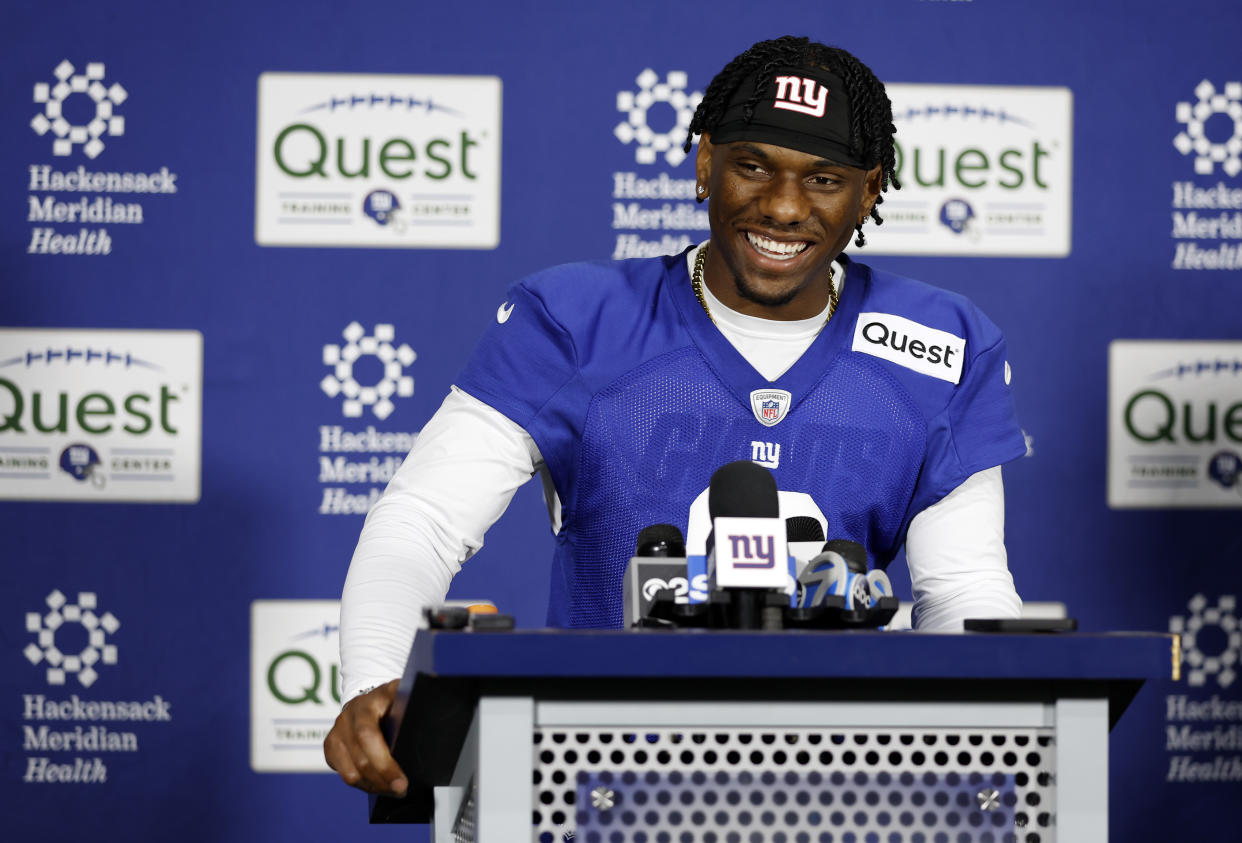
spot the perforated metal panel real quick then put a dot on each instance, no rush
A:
(464, 824)
(856, 785)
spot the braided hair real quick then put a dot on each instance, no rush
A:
(871, 129)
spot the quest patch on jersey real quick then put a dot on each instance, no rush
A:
(896, 339)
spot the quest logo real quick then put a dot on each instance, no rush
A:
(295, 683)
(378, 160)
(907, 343)
(984, 170)
(1174, 424)
(100, 415)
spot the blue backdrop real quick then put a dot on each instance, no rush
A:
(266, 516)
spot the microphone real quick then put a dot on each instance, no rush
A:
(824, 576)
(857, 588)
(855, 554)
(805, 537)
(740, 489)
(658, 564)
(747, 555)
(840, 571)
(881, 586)
(660, 540)
(744, 507)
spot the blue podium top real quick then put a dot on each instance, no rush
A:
(795, 654)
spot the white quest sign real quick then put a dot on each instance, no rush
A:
(295, 683)
(378, 161)
(1174, 424)
(984, 170)
(99, 415)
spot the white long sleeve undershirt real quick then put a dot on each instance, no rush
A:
(469, 460)
(457, 480)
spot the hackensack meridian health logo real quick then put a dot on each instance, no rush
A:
(637, 105)
(62, 617)
(652, 213)
(1202, 733)
(55, 118)
(368, 376)
(1223, 107)
(67, 733)
(388, 366)
(1207, 212)
(1211, 640)
(74, 210)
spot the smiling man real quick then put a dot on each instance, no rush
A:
(880, 404)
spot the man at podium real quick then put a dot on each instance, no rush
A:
(626, 384)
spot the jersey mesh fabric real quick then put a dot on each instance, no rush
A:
(634, 399)
(653, 438)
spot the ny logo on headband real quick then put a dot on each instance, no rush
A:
(798, 93)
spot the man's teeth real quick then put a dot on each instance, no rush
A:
(775, 248)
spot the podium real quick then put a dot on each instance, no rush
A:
(657, 736)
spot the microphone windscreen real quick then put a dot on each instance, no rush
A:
(660, 540)
(803, 528)
(743, 490)
(854, 554)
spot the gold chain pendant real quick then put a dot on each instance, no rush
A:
(696, 281)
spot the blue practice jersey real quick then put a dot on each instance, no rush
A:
(635, 398)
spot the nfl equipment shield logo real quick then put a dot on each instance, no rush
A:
(770, 405)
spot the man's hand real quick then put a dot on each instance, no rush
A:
(356, 748)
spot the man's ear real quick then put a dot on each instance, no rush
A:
(872, 182)
(703, 166)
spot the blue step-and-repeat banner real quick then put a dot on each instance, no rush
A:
(248, 246)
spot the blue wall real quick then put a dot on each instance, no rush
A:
(181, 576)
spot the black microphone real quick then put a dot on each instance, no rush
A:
(742, 489)
(805, 537)
(747, 556)
(870, 586)
(661, 540)
(854, 554)
(865, 587)
(658, 564)
(804, 528)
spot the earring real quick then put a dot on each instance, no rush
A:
(702, 194)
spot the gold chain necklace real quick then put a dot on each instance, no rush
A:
(696, 280)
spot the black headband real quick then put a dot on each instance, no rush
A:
(802, 108)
